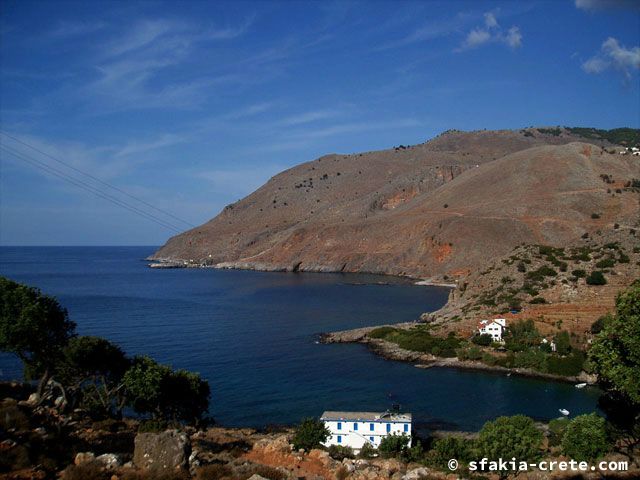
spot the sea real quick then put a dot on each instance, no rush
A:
(254, 337)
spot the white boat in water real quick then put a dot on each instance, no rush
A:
(580, 385)
(564, 411)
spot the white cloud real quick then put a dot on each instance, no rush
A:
(607, 4)
(476, 37)
(615, 56)
(490, 20)
(137, 147)
(513, 38)
(491, 32)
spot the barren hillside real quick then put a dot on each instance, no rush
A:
(438, 209)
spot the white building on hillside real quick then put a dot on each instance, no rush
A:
(495, 328)
(354, 429)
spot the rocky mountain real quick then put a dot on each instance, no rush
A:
(437, 210)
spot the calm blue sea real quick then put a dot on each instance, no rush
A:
(253, 336)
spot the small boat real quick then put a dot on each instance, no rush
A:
(580, 385)
(564, 411)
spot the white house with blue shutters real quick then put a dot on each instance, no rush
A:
(354, 429)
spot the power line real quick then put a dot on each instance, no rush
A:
(85, 186)
(96, 179)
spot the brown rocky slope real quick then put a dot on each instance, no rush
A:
(438, 209)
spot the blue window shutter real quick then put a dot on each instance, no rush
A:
(406, 427)
(355, 426)
(371, 438)
(388, 427)
(371, 427)
(339, 425)
(339, 438)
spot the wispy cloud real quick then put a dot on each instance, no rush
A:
(309, 117)
(430, 30)
(607, 4)
(491, 32)
(612, 55)
(137, 147)
(131, 68)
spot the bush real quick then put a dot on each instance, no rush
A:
(484, 340)
(557, 427)
(596, 278)
(393, 445)
(579, 273)
(537, 300)
(381, 332)
(367, 451)
(311, 433)
(598, 325)
(563, 343)
(508, 437)
(585, 438)
(450, 447)
(595, 216)
(606, 263)
(570, 365)
(542, 272)
(339, 452)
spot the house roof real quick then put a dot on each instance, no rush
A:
(367, 416)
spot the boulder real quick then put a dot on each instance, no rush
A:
(109, 460)
(84, 457)
(161, 451)
(417, 474)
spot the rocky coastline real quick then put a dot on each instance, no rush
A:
(391, 351)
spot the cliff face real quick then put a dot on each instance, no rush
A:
(442, 208)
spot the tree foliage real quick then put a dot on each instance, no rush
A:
(585, 438)
(393, 445)
(92, 368)
(33, 326)
(165, 393)
(311, 433)
(508, 437)
(615, 351)
(521, 336)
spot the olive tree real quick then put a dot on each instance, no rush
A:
(615, 358)
(310, 433)
(34, 327)
(508, 437)
(92, 370)
(585, 438)
(165, 393)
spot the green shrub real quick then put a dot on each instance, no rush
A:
(570, 365)
(542, 272)
(311, 433)
(393, 445)
(381, 332)
(606, 263)
(596, 278)
(598, 325)
(367, 451)
(340, 452)
(508, 437)
(537, 300)
(585, 438)
(484, 340)
(447, 448)
(579, 273)
(595, 216)
(557, 427)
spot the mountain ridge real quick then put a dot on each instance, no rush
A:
(452, 203)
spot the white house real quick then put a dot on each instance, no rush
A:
(495, 328)
(354, 429)
(551, 343)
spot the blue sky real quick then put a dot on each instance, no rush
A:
(191, 105)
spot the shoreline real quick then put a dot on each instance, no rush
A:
(391, 351)
(165, 263)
